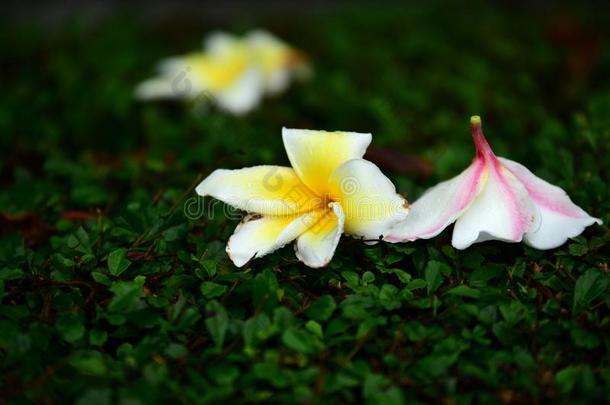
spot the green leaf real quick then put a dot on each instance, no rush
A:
(218, 324)
(7, 274)
(97, 337)
(388, 297)
(94, 396)
(567, 378)
(588, 287)
(578, 249)
(464, 291)
(257, 329)
(127, 294)
(210, 289)
(432, 275)
(315, 328)
(299, 341)
(210, 266)
(368, 277)
(176, 350)
(321, 309)
(117, 262)
(584, 338)
(416, 284)
(70, 327)
(351, 277)
(101, 278)
(89, 363)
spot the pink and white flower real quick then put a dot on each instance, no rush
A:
(494, 198)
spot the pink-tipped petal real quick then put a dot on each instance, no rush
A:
(560, 217)
(440, 206)
(502, 211)
(480, 142)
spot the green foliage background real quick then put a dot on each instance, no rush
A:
(110, 294)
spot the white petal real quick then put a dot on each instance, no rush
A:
(242, 96)
(258, 236)
(176, 80)
(315, 155)
(156, 88)
(274, 57)
(368, 199)
(219, 41)
(561, 218)
(172, 65)
(503, 211)
(271, 190)
(441, 205)
(317, 245)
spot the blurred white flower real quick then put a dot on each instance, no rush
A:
(494, 198)
(328, 191)
(234, 73)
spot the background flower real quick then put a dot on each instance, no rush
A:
(233, 72)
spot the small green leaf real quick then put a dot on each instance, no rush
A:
(70, 327)
(299, 341)
(322, 308)
(212, 290)
(588, 287)
(464, 291)
(89, 363)
(368, 277)
(314, 328)
(210, 266)
(176, 350)
(432, 275)
(7, 274)
(388, 297)
(117, 262)
(101, 278)
(567, 378)
(351, 277)
(416, 284)
(218, 324)
(127, 294)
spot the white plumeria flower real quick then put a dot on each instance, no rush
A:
(279, 62)
(494, 198)
(234, 73)
(328, 191)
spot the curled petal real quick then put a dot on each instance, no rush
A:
(258, 236)
(317, 245)
(315, 155)
(441, 205)
(560, 217)
(503, 211)
(368, 198)
(268, 190)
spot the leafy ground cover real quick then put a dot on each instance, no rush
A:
(112, 293)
